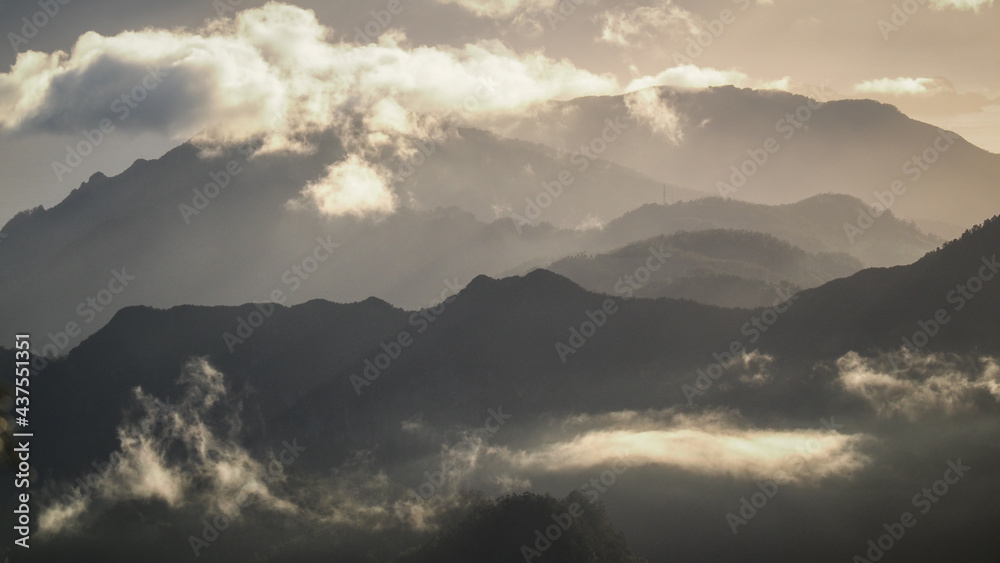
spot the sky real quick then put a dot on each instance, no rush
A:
(127, 80)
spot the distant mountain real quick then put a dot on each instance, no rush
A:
(64, 269)
(245, 244)
(368, 377)
(854, 147)
(495, 343)
(715, 266)
(813, 224)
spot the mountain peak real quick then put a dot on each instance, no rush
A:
(538, 283)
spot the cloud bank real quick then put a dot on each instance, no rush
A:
(713, 444)
(925, 385)
(273, 77)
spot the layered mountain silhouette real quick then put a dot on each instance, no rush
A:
(718, 267)
(854, 147)
(316, 371)
(246, 244)
(494, 343)
(815, 224)
(385, 388)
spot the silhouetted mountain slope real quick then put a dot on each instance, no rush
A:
(187, 242)
(288, 353)
(154, 222)
(714, 266)
(877, 308)
(350, 379)
(493, 344)
(815, 224)
(855, 147)
(498, 342)
(245, 244)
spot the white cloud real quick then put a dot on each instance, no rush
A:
(352, 187)
(928, 384)
(649, 107)
(502, 8)
(973, 5)
(708, 444)
(235, 76)
(903, 86)
(272, 75)
(215, 471)
(691, 76)
(629, 26)
(189, 456)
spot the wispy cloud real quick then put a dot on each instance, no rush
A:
(693, 76)
(971, 5)
(930, 384)
(651, 108)
(214, 469)
(714, 444)
(631, 25)
(502, 8)
(903, 86)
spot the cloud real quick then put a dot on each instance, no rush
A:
(215, 469)
(927, 384)
(904, 86)
(693, 76)
(272, 76)
(189, 456)
(714, 444)
(649, 106)
(234, 77)
(502, 8)
(630, 26)
(352, 187)
(690, 76)
(973, 5)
